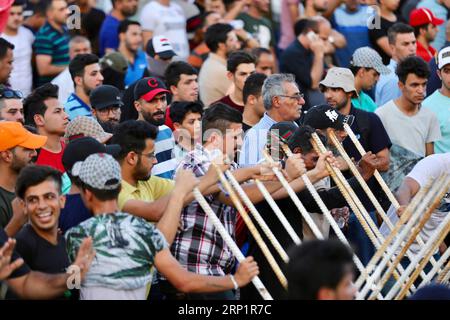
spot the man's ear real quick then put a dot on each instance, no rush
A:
(6, 156)
(62, 201)
(438, 72)
(297, 150)
(131, 158)
(173, 89)
(230, 75)
(176, 125)
(78, 80)
(137, 106)
(401, 85)
(39, 120)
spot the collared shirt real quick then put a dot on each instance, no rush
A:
(387, 87)
(150, 190)
(198, 245)
(254, 142)
(425, 53)
(75, 107)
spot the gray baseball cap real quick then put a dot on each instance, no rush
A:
(340, 78)
(368, 58)
(99, 171)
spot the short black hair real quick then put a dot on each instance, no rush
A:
(317, 264)
(299, 25)
(415, 65)
(179, 110)
(215, 34)
(397, 28)
(239, 57)
(253, 85)
(21, 3)
(131, 135)
(33, 175)
(79, 62)
(174, 71)
(258, 51)
(34, 103)
(123, 26)
(4, 46)
(219, 116)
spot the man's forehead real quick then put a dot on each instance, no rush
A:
(290, 86)
(43, 188)
(16, 103)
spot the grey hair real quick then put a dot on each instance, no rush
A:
(79, 39)
(273, 86)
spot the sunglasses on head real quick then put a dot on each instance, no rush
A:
(10, 93)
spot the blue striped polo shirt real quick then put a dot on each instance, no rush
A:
(75, 107)
(52, 42)
(164, 145)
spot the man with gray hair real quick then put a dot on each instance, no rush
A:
(77, 45)
(283, 101)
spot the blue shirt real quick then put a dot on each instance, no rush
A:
(387, 87)
(75, 107)
(440, 105)
(109, 34)
(254, 142)
(164, 145)
(136, 70)
(73, 213)
(353, 25)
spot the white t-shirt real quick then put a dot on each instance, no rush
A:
(409, 132)
(167, 21)
(65, 84)
(21, 76)
(432, 167)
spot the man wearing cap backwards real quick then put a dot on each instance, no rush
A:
(425, 29)
(86, 76)
(119, 270)
(366, 65)
(106, 104)
(283, 101)
(150, 101)
(439, 101)
(338, 87)
(130, 44)
(160, 55)
(17, 150)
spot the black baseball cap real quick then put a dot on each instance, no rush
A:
(148, 88)
(324, 116)
(81, 148)
(105, 96)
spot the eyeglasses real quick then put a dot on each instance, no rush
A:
(149, 156)
(297, 97)
(10, 93)
(113, 110)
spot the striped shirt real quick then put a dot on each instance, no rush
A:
(198, 245)
(52, 42)
(254, 142)
(75, 107)
(164, 145)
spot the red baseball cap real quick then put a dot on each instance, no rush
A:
(422, 16)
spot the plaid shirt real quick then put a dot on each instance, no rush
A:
(198, 246)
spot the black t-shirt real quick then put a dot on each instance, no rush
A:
(377, 33)
(298, 61)
(6, 210)
(373, 137)
(41, 255)
(23, 269)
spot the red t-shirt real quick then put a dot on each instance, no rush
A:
(425, 54)
(227, 100)
(54, 160)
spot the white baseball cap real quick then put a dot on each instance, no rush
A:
(443, 57)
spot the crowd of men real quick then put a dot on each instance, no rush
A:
(107, 127)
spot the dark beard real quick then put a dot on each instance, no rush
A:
(149, 118)
(109, 126)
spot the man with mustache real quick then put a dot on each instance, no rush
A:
(150, 101)
(106, 106)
